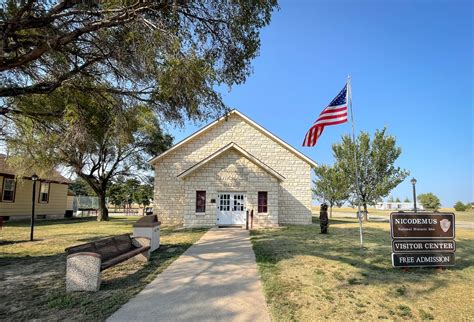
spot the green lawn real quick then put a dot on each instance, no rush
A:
(32, 274)
(352, 210)
(308, 276)
(460, 215)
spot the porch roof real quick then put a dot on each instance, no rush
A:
(239, 149)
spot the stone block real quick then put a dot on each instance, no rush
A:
(83, 273)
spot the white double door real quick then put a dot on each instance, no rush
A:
(231, 208)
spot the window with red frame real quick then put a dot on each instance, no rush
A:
(200, 201)
(262, 201)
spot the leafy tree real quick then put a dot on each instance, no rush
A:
(375, 164)
(81, 188)
(146, 192)
(390, 199)
(459, 206)
(144, 195)
(429, 201)
(116, 192)
(86, 84)
(97, 139)
(125, 192)
(407, 199)
(131, 188)
(331, 186)
(171, 55)
(397, 200)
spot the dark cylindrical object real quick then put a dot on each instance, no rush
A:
(414, 197)
(251, 219)
(247, 220)
(33, 211)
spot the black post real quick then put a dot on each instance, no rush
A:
(413, 182)
(33, 207)
(251, 219)
(247, 221)
(414, 196)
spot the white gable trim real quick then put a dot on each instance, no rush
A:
(226, 148)
(248, 120)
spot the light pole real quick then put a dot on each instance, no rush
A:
(413, 182)
(34, 178)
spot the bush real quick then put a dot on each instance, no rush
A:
(459, 206)
(429, 201)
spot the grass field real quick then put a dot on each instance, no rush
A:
(32, 274)
(460, 215)
(308, 276)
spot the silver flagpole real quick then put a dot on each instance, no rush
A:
(349, 101)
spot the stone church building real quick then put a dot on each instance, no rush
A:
(228, 167)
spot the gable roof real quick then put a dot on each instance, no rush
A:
(249, 121)
(236, 147)
(52, 176)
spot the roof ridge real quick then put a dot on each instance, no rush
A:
(248, 120)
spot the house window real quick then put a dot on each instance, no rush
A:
(200, 201)
(8, 190)
(262, 201)
(44, 192)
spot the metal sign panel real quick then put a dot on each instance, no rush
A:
(411, 225)
(423, 259)
(426, 245)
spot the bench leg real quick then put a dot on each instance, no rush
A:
(142, 242)
(143, 257)
(83, 273)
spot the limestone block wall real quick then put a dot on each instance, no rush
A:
(230, 172)
(294, 196)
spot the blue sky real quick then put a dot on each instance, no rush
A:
(411, 67)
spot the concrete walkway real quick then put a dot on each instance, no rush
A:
(216, 279)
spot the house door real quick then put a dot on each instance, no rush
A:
(231, 208)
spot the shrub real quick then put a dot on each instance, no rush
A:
(429, 201)
(459, 206)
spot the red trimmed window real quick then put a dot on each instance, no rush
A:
(262, 201)
(200, 201)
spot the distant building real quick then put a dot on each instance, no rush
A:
(16, 194)
(405, 206)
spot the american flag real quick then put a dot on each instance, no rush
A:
(335, 113)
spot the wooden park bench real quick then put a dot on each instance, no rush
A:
(86, 261)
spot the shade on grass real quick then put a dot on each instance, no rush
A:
(308, 276)
(32, 274)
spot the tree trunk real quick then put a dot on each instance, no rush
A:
(330, 211)
(366, 217)
(103, 213)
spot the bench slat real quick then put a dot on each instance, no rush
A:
(88, 248)
(123, 257)
(123, 243)
(107, 248)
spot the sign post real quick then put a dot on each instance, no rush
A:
(422, 239)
